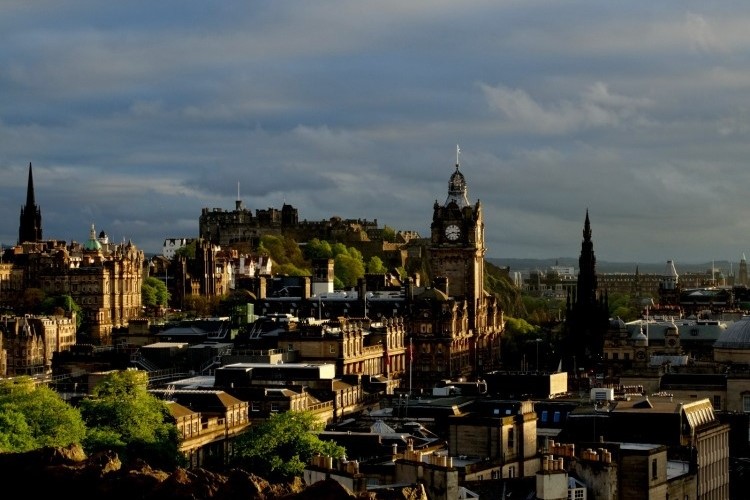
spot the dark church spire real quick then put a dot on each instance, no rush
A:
(30, 190)
(587, 281)
(30, 228)
(587, 316)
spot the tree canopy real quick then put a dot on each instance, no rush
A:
(61, 305)
(280, 447)
(375, 265)
(154, 292)
(34, 416)
(187, 251)
(122, 415)
(348, 268)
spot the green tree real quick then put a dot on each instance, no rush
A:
(187, 251)
(198, 305)
(61, 305)
(338, 249)
(286, 255)
(375, 265)
(517, 336)
(317, 249)
(280, 447)
(34, 416)
(623, 306)
(290, 269)
(154, 293)
(519, 326)
(389, 234)
(508, 295)
(348, 269)
(123, 416)
(275, 248)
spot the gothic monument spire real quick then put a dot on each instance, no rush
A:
(30, 228)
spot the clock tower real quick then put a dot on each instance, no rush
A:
(457, 247)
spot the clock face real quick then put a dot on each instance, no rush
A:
(452, 232)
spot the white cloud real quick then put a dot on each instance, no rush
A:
(701, 34)
(596, 107)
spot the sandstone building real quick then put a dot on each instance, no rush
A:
(103, 278)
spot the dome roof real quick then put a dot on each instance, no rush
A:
(617, 322)
(433, 294)
(736, 336)
(457, 190)
(640, 338)
(93, 243)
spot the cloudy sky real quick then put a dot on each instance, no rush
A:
(136, 115)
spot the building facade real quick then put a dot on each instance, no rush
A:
(104, 279)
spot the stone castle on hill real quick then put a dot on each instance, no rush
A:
(455, 325)
(241, 229)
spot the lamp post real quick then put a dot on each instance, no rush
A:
(536, 341)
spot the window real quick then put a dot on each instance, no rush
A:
(717, 402)
(544, 416)
(556, 417)
(654, 469)
(274, 406)
(511, 438)
(746, 403)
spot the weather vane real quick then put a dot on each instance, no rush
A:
(458, 151)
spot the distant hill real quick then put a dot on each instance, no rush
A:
(609, 267)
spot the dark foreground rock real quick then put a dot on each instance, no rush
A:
(69, 471)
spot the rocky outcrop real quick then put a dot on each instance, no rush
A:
(68, 471)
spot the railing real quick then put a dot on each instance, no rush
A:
(255, 352)
(137, 359)
(372, 349)
(205, 368)
(161, 377)
(320, 406)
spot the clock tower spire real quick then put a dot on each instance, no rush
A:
(457, 245)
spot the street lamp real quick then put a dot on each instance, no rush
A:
(536, 341)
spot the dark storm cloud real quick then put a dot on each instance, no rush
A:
(137, 115)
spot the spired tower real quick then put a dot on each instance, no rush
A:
(455, 327)
(669, 286)
(457, 248)
(30, 227)
(587, 314)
